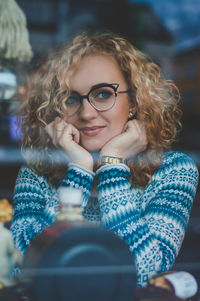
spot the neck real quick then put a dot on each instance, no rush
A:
(95, 156)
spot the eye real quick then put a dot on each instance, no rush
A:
(102, 93)
(73, 100)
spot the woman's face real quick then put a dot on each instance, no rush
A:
(97, 128)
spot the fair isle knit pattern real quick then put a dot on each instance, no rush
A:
(152, 221)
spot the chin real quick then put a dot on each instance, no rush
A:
(92, 146)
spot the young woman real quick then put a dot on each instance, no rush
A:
(99, 97)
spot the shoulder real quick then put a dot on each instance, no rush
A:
(178, 159)
(176, 162)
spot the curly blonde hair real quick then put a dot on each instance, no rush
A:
(155, 98)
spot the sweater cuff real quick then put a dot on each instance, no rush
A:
(79, 178)
(113, 165)
(82, 169)
(113, 177)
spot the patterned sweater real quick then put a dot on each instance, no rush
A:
(152, 221)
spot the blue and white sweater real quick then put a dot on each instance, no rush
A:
(152, 221)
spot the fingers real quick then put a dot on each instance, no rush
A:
(141, 133)
(62, 132)
(137, 126)
(65, 136)
(136, 130)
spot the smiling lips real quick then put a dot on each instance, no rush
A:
(91, 131)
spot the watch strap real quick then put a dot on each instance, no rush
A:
(109, 160)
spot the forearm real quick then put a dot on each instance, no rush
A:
(81, 179)
(120, 214)
(29, 209)
(154, 230)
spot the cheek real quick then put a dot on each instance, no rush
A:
(118, 127)
(72, 120)
(119, 118)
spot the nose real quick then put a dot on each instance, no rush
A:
(87, 111)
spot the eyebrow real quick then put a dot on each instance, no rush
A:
(93, 87)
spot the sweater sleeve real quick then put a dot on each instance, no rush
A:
(79, 178)
(154, 230)
(36, 203)
(31, 196)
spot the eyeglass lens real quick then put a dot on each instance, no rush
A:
(101, 98)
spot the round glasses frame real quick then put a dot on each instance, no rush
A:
(113, 86)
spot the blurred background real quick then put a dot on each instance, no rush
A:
(168, 31)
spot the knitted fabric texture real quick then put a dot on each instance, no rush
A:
(152, 221)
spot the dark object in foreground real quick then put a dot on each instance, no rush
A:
(18, 293)
(78, 261)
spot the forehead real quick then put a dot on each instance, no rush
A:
(95, 69)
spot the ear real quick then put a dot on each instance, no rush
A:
(132, 113)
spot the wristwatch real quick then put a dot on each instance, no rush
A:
(109, 160)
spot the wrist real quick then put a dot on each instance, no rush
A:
(86, 162)
(87, 166)
(105, 159)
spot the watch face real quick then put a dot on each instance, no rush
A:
(108, 159)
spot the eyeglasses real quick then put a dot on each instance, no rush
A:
(102, 97)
